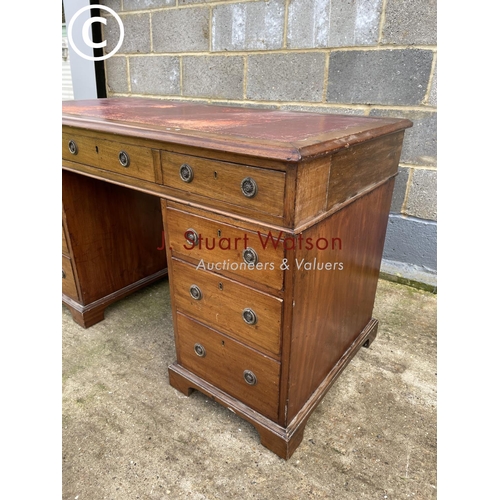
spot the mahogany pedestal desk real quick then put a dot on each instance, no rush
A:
(274, 227)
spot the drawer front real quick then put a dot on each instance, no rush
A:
(221, 248)
(126, 159)
(80, 149)
(65, 248)
(122, 158)
(225, 363)
(239, 311)
(254, 188)
(68, 279)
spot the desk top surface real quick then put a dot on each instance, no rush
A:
(282, 135)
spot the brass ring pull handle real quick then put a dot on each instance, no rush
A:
(195, 292)
(73, 148)
(250, 256)
(249, 187)
(200, 350)
(191, 237)
(124, 158)
(249, 316)
(186, 173)
(249, 377)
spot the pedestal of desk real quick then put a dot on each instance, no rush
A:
(112, 245)
(327, 298)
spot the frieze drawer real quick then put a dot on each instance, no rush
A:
(118, 157)
(257, 189)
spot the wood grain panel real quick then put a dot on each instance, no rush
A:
(222, 304)
(115, 234)
(358, 167)
(221, 236)
(141, 160)
(103, 154)
(222, 181)
(65, 249)
(87, 152)
(333, 307)
(68, 279)
(312, 189)
(224, 364)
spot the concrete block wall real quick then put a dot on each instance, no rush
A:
(367, 57)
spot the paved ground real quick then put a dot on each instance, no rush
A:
(128, 435)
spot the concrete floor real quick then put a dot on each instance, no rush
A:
(128, 435)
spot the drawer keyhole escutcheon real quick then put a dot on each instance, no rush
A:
(63, 274)
(200, 350)
(73, 148)
(248, 187)
(195, 292)
(249, 377)
(191, 237)
(186, 172)
(249, 316)
(221, 286)
(124, 159)
(219, 233)
(250, 256)
(215, 175)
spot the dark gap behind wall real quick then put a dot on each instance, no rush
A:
(100, 75)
